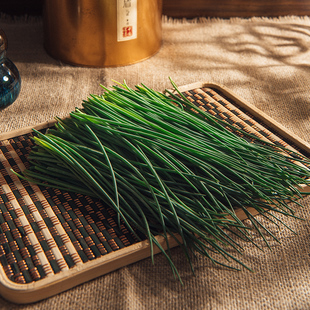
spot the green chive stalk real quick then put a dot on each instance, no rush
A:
(168, 168)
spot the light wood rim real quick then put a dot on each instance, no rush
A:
(52, 285)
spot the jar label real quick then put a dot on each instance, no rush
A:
(126, 20)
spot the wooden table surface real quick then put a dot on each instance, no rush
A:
(235, 8)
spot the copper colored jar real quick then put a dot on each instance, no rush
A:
(102, 33)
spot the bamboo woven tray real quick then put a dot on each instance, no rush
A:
(51, 241)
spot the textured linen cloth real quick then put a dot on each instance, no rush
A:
(264, 61)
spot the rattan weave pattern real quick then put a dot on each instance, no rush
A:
(44, 231)
(216, 104)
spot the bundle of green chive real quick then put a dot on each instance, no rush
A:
(167, 168)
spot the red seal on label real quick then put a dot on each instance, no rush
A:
(127, 31)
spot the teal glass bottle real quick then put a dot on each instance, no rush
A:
(10, 82)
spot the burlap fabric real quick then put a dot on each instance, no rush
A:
(266, 62)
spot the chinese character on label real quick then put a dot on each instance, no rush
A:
(127, 31)
(126, 20)
(127, 3)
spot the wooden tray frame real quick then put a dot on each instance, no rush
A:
(64, 280)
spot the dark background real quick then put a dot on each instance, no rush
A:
(190, 9)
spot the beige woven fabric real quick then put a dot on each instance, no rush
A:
(264, 61)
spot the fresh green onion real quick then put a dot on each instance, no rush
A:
(168, 168)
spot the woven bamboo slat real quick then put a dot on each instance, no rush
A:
(51, 241)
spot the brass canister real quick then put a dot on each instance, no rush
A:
(102, 33)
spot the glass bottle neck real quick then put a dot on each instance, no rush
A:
(3, 44)
(2, 56)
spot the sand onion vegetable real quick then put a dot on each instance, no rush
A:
(168, 168)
